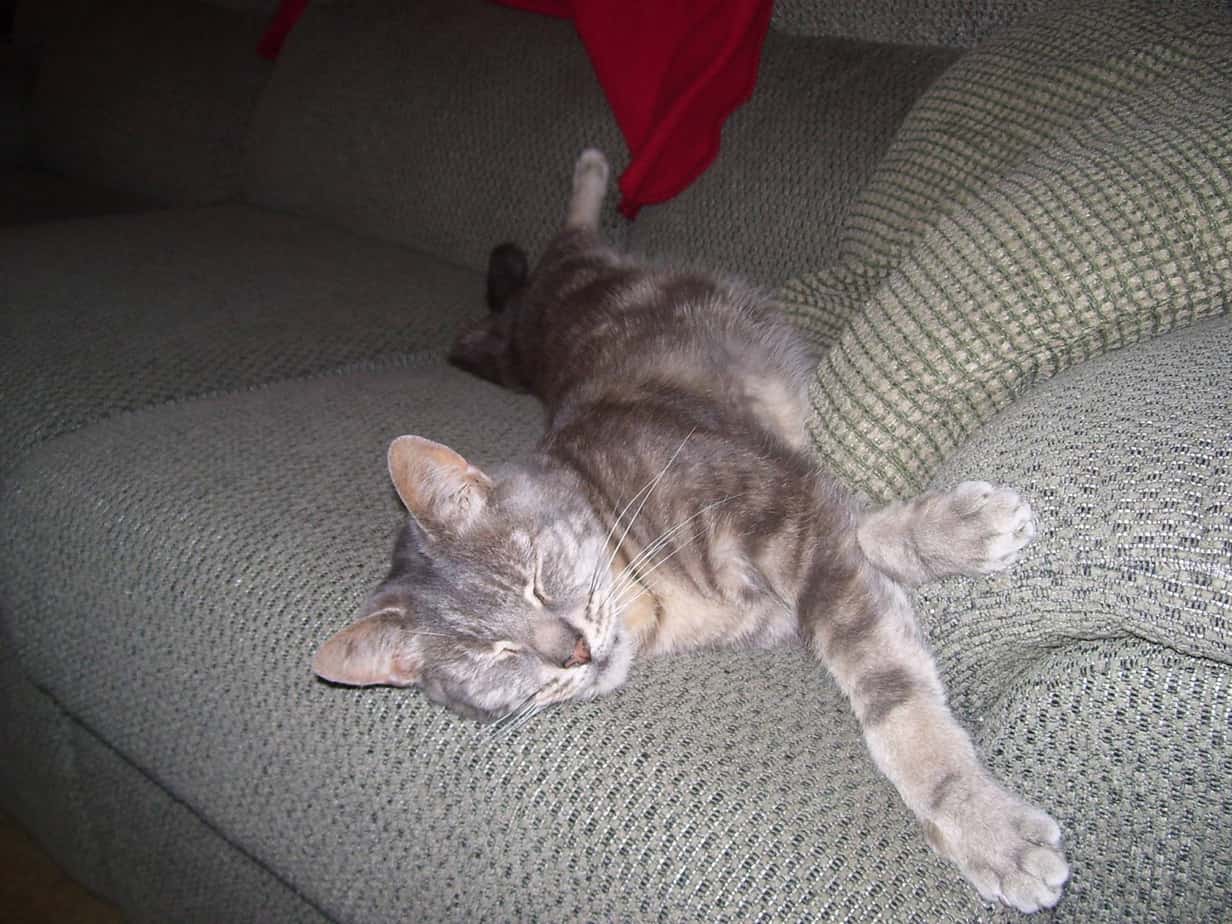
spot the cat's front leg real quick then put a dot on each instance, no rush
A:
(974, 528)
(864, 630)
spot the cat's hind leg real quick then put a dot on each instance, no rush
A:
(590, 176)
(975, 528)
(863, 629)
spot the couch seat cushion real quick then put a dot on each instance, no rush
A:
(169, 574)
(111, 314)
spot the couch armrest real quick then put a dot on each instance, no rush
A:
(1127, 461)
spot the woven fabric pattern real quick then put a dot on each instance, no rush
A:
(166, 305)
(153, 99)
(1108, 646)
(39, 782)
(950, 23)
(382, 117)
(164, 863)
(1062, 191)
(1127, 461)
(1130, 744)
(828, 110)
(117, 831)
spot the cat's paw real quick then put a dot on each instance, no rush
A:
(591, 166)
(1008, 850)
(988, 526)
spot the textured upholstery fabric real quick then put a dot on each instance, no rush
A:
(150, 98)
(952, 23)
(116, 830)
(40, 783)
(163, 862)
(383, 118)
(1061, 191)
(729, 788)
(164, 305)
(827, 109)
(1108, 646)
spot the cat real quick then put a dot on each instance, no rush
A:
(673, 505)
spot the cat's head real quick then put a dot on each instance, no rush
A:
(499, 595)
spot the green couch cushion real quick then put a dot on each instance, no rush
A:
(164, 305)
(1063, 190)
(827, 109)
(1108, 646)
(1130, 742)
(448, 125)
(1127, 461)
(175, 614)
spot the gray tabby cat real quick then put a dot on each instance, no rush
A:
(673, 505)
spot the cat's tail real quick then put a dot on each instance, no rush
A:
(507, 274)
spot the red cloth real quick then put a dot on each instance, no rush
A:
(673, 71)
(279, 27)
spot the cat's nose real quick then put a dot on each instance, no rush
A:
(580, 655)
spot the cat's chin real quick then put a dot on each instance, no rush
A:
(611, 667)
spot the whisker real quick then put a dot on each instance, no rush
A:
(594, 580)
(643, 586)
(629, 574)
(525, 719)
(507, 719)
(621, 600)
(649, 489)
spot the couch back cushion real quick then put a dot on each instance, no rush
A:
(948, 23)
(448, 126)
(149, 98)
(793, 157)
(1062, 191)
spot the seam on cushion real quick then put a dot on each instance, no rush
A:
(412, 359)
(170, 794)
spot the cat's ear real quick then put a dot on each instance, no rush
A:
(442, 491)
(377, 649)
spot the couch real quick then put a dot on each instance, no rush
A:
(227, 283)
